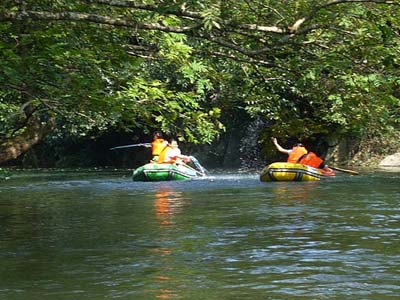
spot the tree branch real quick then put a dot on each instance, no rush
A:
(74, 16)
(129, 4)
(219, 37)
(295, 27)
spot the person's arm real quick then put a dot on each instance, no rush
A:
(177, 156)
(279, 147)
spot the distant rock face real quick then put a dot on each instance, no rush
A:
(391, 161)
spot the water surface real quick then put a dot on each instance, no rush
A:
(98, 235)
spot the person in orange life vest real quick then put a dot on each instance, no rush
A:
(295, 153)
(311, 159)
(172, 154)
(299, 154)
(158, 145)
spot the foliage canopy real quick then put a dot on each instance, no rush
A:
(307, 67)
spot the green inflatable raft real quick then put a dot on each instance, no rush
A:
(165, 172)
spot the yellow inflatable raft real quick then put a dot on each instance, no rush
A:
(284, 171)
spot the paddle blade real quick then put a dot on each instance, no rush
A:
(345, 170)
(198, 165)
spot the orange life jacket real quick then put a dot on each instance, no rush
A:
(311, 159)
(296, 154)
(163, 155)
(157, 146)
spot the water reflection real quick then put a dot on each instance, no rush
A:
(300, 191)
(168, 204)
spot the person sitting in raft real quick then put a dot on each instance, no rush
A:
(172, 154)
(158, 145)
(295, 153)
(299, 154)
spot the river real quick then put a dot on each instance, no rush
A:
(98, 235)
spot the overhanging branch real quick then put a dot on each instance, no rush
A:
(94, 18)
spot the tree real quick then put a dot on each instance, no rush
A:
(80, 76)
(324, 66)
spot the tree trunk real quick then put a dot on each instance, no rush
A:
(34, 132)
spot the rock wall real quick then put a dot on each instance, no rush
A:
(367, 152)
(391, 161)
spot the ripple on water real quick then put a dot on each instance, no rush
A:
(227, 237)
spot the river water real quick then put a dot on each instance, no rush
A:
(98, 235)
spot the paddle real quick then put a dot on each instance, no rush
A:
(198, 165)
(344, 170)
(193, 169)
(133, 145)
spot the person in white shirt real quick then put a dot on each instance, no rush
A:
(172, 154)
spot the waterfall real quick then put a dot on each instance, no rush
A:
(250, 149)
